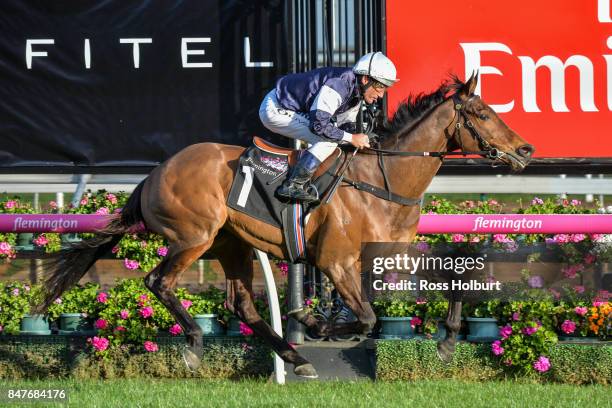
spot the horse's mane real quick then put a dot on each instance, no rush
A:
(416, 107)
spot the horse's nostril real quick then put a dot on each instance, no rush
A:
(526, 150)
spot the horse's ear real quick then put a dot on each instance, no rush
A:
(470, 85)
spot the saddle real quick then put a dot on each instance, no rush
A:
(261, 169)
(293, 154)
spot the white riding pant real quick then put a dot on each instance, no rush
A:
(297, 126)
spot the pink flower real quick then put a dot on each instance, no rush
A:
(434, 203)
(568, 327)
(516, 316)
(5, 248)
(53, 205)
(284, 268)
(530, 330)
(577, 237)
(115, 249)
(579, 289)
(597, 237)
(475, 239)
(15, 292)
(175, 330)
(143, 298)
(542, 364)
(129, 264)
(40, 241)
(575, 202)
(102, 211)
(100, 343)
(561, 238)
(58, 301)
(150, 346)
(120, 328)
(102, 297)
(537, 201)
(84, 201)
(415, 321)
(245, 330)
(143, 244)
(308, 302)
(162, 251)
(112, 198)
(604, 294)
(458, 238)
(598, 302)
(10, 204)
(1, 328)
(500, 238)
(124, 314)
(581, 310)
(535, 281)
(493, 202)
(505, 331)
(146, 312)
(571, 271)
(496, 348)
(101, 324)
(186, 303)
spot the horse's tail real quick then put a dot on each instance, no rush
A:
(68, 266)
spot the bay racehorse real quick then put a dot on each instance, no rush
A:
(184, 199)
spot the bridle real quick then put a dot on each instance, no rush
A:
(489, 151)
(462, 121)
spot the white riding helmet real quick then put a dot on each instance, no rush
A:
(377, 66)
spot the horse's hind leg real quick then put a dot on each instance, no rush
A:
(236, 258)
(162, 280)
(446, 347)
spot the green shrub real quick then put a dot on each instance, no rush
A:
(418, 359)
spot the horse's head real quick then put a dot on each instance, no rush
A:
(476, 127)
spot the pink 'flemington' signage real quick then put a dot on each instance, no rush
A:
(429, 224)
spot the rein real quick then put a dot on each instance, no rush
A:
(386, 194)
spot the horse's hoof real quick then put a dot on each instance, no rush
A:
(192, 359)
(306, 370)
(445, 351)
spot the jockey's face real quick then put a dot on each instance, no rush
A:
(374, 92)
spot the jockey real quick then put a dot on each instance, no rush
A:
(311, 106)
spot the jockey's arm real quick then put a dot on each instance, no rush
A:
(325, 105)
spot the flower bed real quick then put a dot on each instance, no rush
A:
(36, 357)
(417, 359)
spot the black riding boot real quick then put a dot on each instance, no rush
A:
(297, 185)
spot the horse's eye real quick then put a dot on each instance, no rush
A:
(482, 116)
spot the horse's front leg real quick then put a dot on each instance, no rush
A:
(446, 346)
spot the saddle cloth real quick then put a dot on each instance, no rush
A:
(261, 169)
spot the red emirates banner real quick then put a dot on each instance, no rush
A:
(545, 65)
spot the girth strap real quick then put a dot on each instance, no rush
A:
(380, 193)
